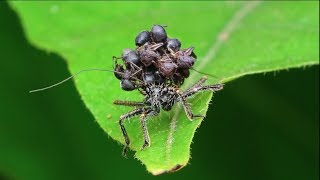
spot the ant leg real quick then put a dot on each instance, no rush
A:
(156, 46)
(123, 129)
(128, 103)
(137, 67)
(194, 90)
(189, 50)
(187, 108)
(138, 70)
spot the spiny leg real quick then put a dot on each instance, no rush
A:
(213, 88)
(123, 129)
(195, 89)
(197, 84)
(145, 129)
(143, 92)
(187, 108)
(128, 103)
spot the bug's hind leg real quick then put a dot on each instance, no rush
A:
(123, 129)
(187, 109)
(197, 87)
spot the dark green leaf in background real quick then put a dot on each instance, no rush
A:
(232, 39)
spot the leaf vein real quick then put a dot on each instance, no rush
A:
(222, 37)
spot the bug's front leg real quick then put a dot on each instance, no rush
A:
(144, 115)
(123, 129)
(196, 89)
(197, 84)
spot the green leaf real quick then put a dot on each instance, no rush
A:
(232, 39)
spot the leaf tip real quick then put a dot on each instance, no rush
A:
(173, 169)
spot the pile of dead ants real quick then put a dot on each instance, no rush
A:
(157, 59)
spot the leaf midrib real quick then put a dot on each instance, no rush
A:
(222, 37)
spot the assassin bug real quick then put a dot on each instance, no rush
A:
(157, 68)
(157, 97)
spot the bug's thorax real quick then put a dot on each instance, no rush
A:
(161, 96)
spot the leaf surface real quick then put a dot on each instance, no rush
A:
(231, 39)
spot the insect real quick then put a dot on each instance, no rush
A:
(156, 68)
(148, 53)
(157, 97)
(163, 67)
(130, 76)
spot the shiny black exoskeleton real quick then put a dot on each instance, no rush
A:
(130, 77)
(173, 44)
(142, 38)
(158, 34)
(156, 50)
(130, 58)
(152, 76)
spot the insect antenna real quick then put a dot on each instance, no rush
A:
(204, 73)
(70, 77)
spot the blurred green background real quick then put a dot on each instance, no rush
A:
(271, 132)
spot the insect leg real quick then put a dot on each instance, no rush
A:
(123, 129)
(144, 130)
(139, 69)
(128, 103)
(197, 84)
(143, 92)
(156, 46)
(187, 108)
(194, 90)
(189, 51)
